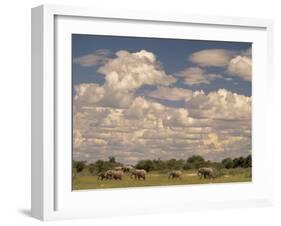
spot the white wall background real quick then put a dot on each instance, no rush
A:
(15, 112)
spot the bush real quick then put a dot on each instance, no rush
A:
(238, 162)
(79, 165)
(195, 161)
(145, 164)
(174, 164)
(248, 161)
(188, 166)
(112, 159)
(92, 168)
(192, 163)
(158, 164)
(227, 163)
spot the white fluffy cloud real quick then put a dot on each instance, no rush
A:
(89, 60)
(123, 75)
(196, 75)
(172, 94)
(129, 71)
(211, 57)
(221, 104)
(111, 120)
(236, 64)
(218, 122)
(241, 66)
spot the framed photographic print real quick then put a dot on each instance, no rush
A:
(136, 112)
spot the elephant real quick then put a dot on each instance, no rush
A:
(118, 168)
(175, 174)
(127, 169)
(206, 172)
(103, 176)
(115, 174)
(138, 174)
(107, 175)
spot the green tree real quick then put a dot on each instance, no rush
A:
(92, 168)
(79, 165)
(188, 166)
(158, 164)
(101, 166)
(196, 161)
(179, 164)
(195, 158)
(238, 162)
(145, 164)
(227, 163)
(171, 164)
(112, 159)
(248, 161)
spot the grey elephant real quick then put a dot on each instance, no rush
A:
(206, 172)
(118, 168)
(175, 174)
(127, 169)
(115, 174)
(102, 176)
(138, 174)
(107, 175)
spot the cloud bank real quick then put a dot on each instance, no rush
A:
(93, 59)
(211, 57)
(236, 64)
(196, 75)
(113, 120)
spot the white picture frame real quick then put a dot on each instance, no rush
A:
(52, 197)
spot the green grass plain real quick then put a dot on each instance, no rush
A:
(85, 181)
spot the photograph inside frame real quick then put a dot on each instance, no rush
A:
(160, 112)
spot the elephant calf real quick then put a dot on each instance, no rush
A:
(206, 172)
(175, 174)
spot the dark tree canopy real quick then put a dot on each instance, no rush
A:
(79, 165)
(194, 162)
(227, 163)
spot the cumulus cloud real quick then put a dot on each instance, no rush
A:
(173, 94)
(211, 57)
(221, 104)
(112, 120)
(93, 59)
(129, 71)
(241, 66)
(217, 122)
(196, 75)
(123, 76)
(236, 63)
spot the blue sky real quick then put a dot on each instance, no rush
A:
(172, 53)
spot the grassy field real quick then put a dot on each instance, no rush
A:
(84, 181)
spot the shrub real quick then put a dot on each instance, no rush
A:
(227, 163)
(248, 161)
(196, 161)
(79, 165)
(145, 164)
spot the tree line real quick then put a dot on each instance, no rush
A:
(193, 162)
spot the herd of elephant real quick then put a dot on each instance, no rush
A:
(140, 174)
(204, 172)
